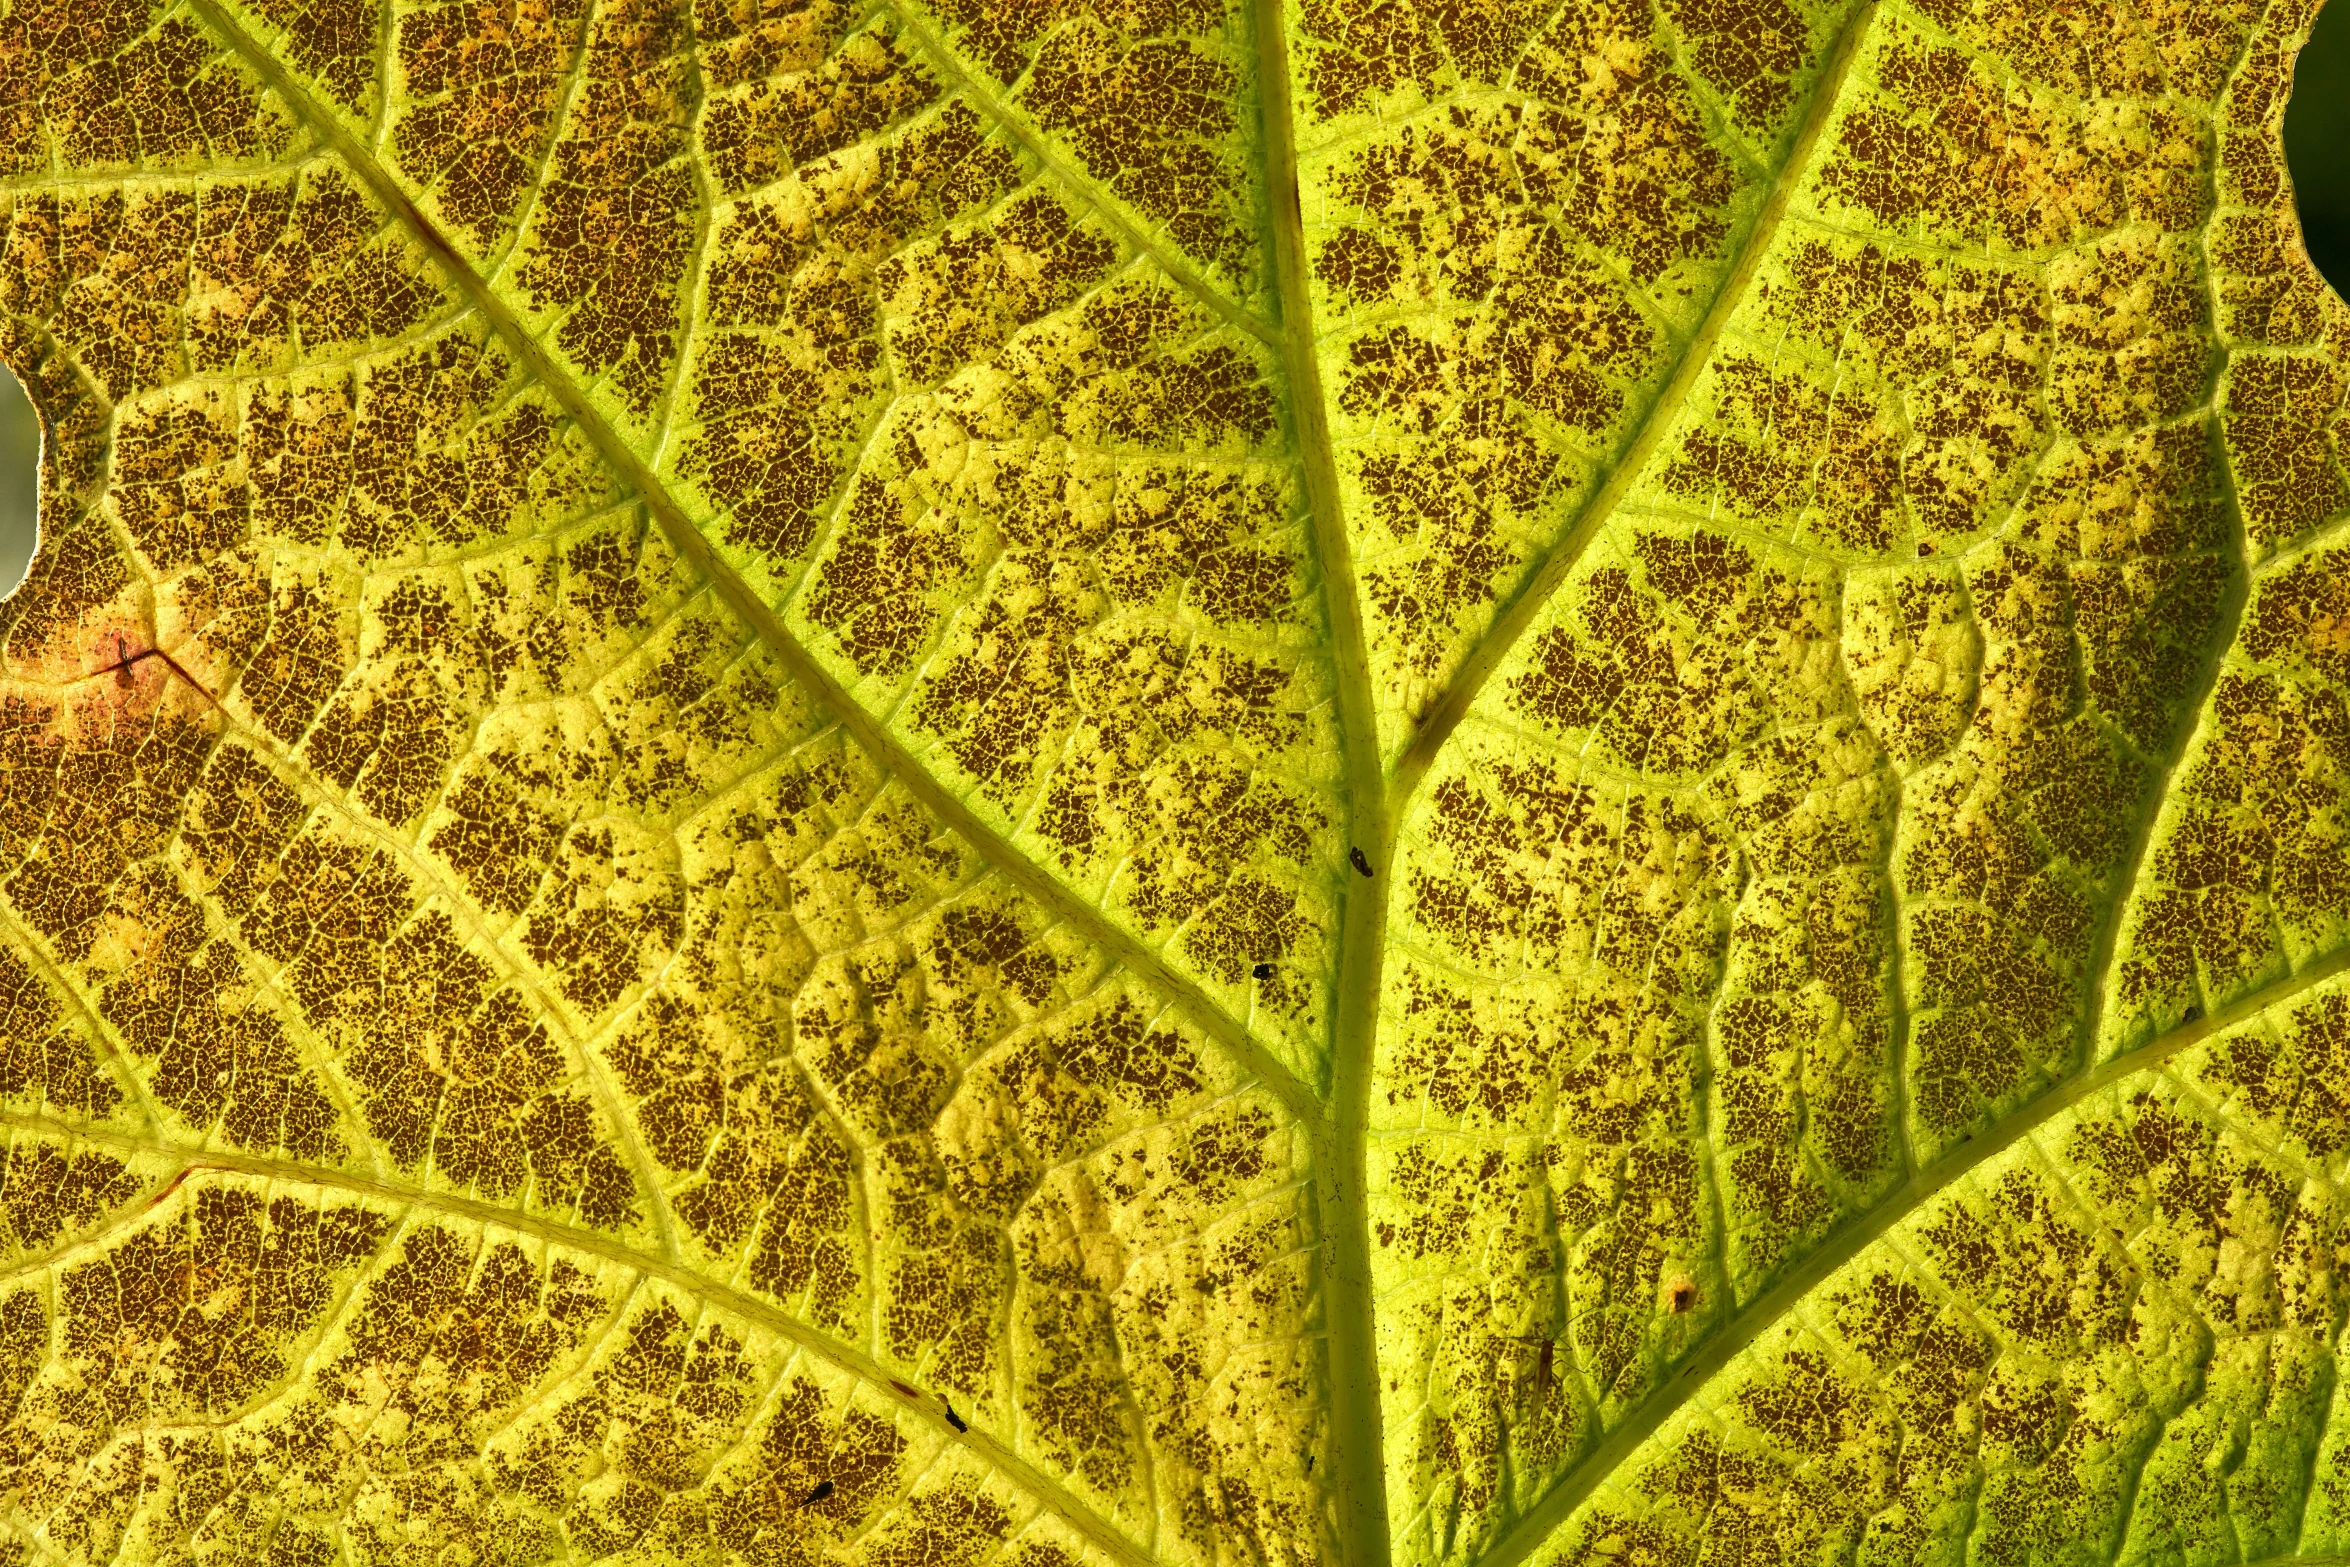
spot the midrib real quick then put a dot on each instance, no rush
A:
(1048, 1492)
(1378, 805)
(1356, 1432)
(861, 726)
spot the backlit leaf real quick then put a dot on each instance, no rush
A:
(1148, 781)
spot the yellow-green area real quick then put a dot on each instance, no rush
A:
(1363, 783)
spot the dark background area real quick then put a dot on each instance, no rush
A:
(2317, 143)
(20, 482)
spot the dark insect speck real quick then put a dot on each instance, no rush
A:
(955, 1420)
(1680, 1297)
(2193, 1015)
(823, 1490)
(1359, 860)
(1262, 971)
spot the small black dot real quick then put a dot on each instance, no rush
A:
(2194, 1015)
(823, 1490)
(1359, 860)
(1262, 971)
(955, 1420)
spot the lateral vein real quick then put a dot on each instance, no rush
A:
(1106, 206)
(1578, 1484)
(688, 540)
(928, 1408)
(1450, 708)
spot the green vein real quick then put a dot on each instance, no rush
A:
(687, 539)
(1056, 163)
(1578, 1484)
(563, 1020)
(929, 1409)
(29, 945)
(2232, 605)
(2142, 831)
(61, 1250)
(1359, 1468)
(1445, 714)
(1898, 1051)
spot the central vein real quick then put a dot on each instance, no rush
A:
(1355, 1435)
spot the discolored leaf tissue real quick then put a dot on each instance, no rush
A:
(1378, 783)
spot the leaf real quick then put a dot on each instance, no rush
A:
(1157, 783)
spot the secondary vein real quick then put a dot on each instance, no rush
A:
(689, 542)
(1446, 713)
(845, 1357)
(1107, 207)
(1578, 1484)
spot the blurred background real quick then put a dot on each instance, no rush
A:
(20, 482)
(2317, 143)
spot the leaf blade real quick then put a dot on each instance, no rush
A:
(1490, 1171)
(690, 543)
(2202, 631)
(627, 638)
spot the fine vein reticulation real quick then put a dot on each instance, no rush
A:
(1172, 781)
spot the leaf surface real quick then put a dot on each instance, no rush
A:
(1160, 782)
